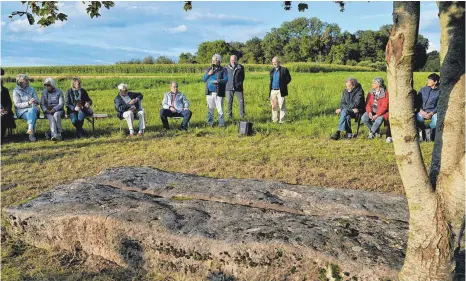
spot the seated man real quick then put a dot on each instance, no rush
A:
(6, 110)
(175, 104)
(128, 106)
(426, 105)
(352, 102)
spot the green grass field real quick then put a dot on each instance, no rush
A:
(297, 152)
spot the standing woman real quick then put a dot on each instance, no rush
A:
(6, 110)
(52, 103)
(78, 105)
(26, 103)
(377, 109)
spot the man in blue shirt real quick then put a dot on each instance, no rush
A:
(216, 78)
(279, 79)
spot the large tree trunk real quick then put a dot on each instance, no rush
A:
(429, 253)
(448, 157)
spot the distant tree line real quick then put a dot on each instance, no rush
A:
(149, 60)
(308, 40)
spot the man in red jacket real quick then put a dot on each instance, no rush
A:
(377, 108)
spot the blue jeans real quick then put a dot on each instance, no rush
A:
(77, 118)
(165, 113)
(31, 116)
(420, 119)
(372, 125)
(344, 124)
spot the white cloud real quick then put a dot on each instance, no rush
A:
(198, 16)
(22, 25)
(179, 29)
(3, 23)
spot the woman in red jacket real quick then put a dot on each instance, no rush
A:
(377, 108)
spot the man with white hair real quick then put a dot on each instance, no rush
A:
(279, 79)
(216, 78)
(52, 102)
(235, 86)
(128, 106)
(26, 103)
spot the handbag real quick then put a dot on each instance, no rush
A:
(245, 128)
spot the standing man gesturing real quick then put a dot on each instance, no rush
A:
(216, 78)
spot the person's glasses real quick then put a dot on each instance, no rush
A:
(47, 85)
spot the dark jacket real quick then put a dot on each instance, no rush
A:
(7, 120)
(382, 103)
(353, 99)
(121, 106)
(427, 99)
(221, 76)
(70, 99)
(235, 78)
(285, 79)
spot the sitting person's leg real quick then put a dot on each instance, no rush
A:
(186, 117)
(164, 115)
(57, 116)
(420, 120)
(31, 117)
(52, 125)
(377, 123)
(433, 123)
(129, 117)
(366, 120)
(142, 122)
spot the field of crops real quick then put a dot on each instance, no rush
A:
(172, 68)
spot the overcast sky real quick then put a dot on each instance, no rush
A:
(139, 29)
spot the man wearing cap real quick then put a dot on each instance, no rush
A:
(6, 110)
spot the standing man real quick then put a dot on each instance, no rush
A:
(235, 85)
(175, 104)
(216, 79)
(279, 79)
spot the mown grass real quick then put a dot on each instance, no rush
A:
(297, 152)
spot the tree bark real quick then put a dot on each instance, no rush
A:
(428, 254)
(448, 157)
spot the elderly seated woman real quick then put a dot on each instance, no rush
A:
(128, 107)
(377, 109)
(352, 103)
(78, 105)
(26, 103)
(52, 103)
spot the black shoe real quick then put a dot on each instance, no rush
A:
(335, 136)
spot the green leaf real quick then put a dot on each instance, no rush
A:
(302, 7)
(31, 19)
(188, 6)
